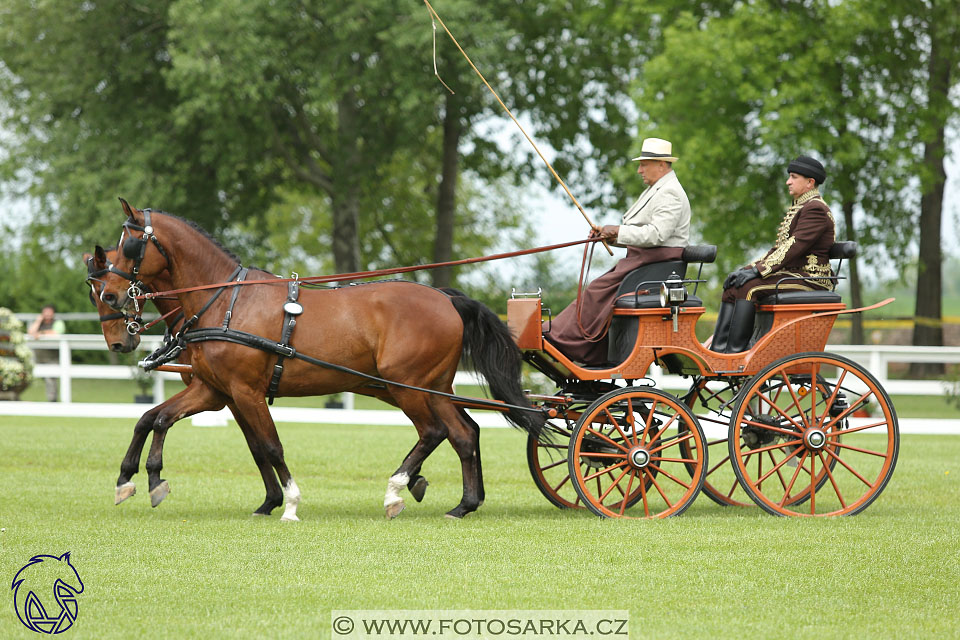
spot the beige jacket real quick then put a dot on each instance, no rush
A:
(659, 218)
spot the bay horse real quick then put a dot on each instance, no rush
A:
(408, 335)
(190, 401)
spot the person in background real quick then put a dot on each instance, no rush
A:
(47, 325)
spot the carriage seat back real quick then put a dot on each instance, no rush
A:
(623, 329)
(839, 251)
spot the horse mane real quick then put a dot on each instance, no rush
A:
(206, 234)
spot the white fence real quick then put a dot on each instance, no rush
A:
(876, 358)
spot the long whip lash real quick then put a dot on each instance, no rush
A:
(436, 18)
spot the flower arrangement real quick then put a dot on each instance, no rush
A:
(16, 358)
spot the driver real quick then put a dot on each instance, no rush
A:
(656, 228)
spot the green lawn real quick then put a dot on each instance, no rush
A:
(199, 566)
(124, 390)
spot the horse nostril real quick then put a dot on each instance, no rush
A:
(116, 346)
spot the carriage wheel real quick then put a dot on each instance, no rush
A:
(712, 402)
(626, 457)
(798, 449)
(549, 468)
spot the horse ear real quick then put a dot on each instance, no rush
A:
(66, 557)
(127, 209)
(99, 257)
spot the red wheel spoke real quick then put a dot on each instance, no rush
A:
(718, 465)
(793, 395)
(616, 484)
(680, 460)
(793, 479)
(623, 505)
(813, 484)
(656, 484)
(554, 464)
(601, 454)
(556, 489)
(844, 445)
(814, 371)
(781, 411)
(673, 442)
(833, 481)
(617, 425)
(776, 467)
(770, 427)
(733, 487)
(854, 405)
(839, 432)
(773, 447)
(604, 437)
(670, 476)
(646, 425)
(833, 398)
(603, 471)
(643, 494)
(848, 468)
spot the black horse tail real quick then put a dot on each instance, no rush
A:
(488, 345)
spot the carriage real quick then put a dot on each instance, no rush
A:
(784, 425)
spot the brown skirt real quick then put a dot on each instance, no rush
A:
(590, 345)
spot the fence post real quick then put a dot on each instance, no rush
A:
(66, 359)
(157, 388)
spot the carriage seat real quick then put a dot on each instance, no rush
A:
(839, 251)
(650, 301)
(623, 329)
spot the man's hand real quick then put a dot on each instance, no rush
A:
(607, 232)
(740, 277)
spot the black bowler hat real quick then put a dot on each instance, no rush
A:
(809, 167)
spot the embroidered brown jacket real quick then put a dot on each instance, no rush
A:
(804, 238)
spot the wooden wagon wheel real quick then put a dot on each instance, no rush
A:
(626, 459)
(784, 421)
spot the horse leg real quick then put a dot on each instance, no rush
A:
(476, 427)
(195, 398)
(432, 432)
(274, 492)
(418, 484)
(465, 440)
(131, 461)
(253, 405)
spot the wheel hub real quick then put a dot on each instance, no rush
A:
(639, 457)
(815, 439)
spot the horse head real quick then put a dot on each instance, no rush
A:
(113, 324)
(140, 259)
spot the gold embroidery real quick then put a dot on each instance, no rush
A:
(819, 272)
(770, 263)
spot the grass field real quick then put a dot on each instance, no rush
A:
(199, 566)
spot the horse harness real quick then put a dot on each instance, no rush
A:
(174, 343)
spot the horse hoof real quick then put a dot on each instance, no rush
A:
(394, 509)
(289, 518)
(257, 514)
(158, 493)
(419, 488)
(124, 491)
(452, 516)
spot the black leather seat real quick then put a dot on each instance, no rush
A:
(623, 329)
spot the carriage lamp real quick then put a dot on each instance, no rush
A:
(672, 291)
(674, 294)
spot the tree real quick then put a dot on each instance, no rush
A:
(749, 91)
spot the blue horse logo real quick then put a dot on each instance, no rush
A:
(32, 588)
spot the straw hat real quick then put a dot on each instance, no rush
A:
(656, 149)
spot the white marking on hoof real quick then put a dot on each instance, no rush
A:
(394, 509)
(395, 484)
(124, 491)
(452, 517)
(292, 494)
(158, 493)
(258, 515)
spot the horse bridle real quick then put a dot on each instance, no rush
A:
(135, 249)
